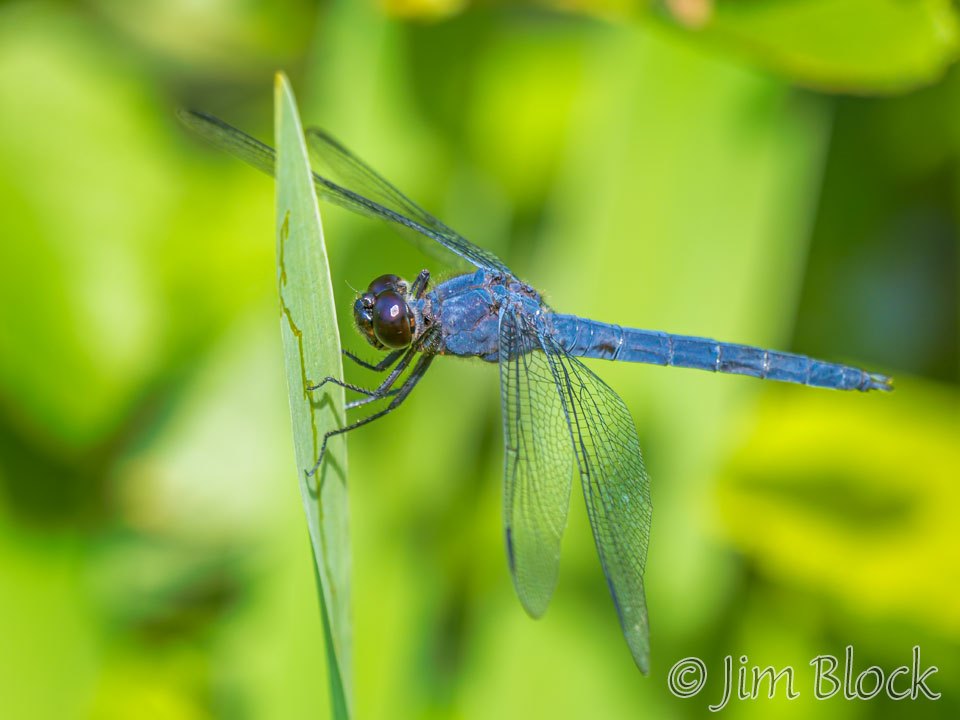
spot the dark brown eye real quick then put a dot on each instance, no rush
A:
(392, 320)
(386, 282)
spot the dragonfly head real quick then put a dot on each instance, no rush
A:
(383, 315)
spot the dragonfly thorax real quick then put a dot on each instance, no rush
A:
(383, 314)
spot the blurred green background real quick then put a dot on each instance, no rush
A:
(773, 172)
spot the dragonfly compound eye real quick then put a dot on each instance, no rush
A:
(387, 282)
(392, 320)
(363, 316)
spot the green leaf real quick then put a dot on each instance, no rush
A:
(859, 46)
(311, 347)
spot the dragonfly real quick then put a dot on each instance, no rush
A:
(559, 418)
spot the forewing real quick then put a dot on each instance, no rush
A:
(352, 185)
(367, 188)
(226, 137)
(538, 465)
(616, 489)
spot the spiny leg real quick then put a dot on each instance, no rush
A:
(381, 366)
(383, 389)
(345, 385)
(418, 372)
(353, 404)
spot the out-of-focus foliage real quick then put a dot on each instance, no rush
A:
(862, 532)
(424, 9)
(863, 46)
(859, 46)
(153, 554)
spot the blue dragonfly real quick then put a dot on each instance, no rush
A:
(559, 417)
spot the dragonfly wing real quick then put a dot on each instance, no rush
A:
(226, 137)
(538, 465)
(615, 487)
(263, 157)
(365, 193)
(335, 163)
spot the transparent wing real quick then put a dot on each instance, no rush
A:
(368, 194)
(226, 137)
(334, 161)
(538, 466)
(615, 486)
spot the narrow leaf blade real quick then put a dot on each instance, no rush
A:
(311, 346)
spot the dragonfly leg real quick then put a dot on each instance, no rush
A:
(420, 284)
(381, 390)
(381, 366)
(353, 404)
(415, 376)
(385, 387)
(341, 383)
